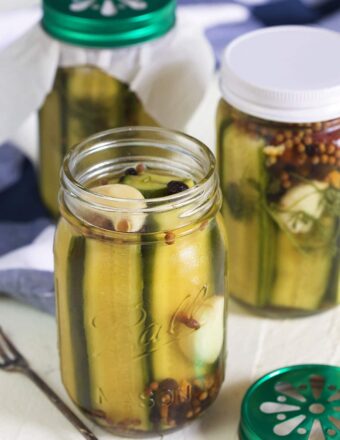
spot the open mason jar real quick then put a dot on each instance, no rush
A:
(279, 155)
(109, 55)
(140, 279)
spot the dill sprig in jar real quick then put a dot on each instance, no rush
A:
(140, 280)
(279, 156)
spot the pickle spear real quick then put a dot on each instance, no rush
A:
(252, 237)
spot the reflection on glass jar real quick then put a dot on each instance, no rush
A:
(84, 100)
(280, 170)
(140, 276)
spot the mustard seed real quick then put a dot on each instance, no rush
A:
(154, 386)
(317, 126)
(330, 148)
(288, 134)
(203, 396)
(289, 143)
(324, 159)
(286, 184)
(123, 226)
(279, 138)
(170, 238)
(302, 159)
(140, 168)
(301, 148)
(322, 147)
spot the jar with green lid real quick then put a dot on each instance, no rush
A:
(113, 55)
(278, 127)
(140, 279)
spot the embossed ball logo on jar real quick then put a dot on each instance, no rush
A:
(107, 8)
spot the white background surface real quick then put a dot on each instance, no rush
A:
(256, 346)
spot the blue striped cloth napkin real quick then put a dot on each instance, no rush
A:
(26, 230)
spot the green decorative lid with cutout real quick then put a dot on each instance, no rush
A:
(108, 23)
(301, 402)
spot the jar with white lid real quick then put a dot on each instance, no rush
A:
(278, 126)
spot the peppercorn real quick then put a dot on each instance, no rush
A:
(311, 150)
(289, 168)
(168, 385)
(176, 186)
(131, 172)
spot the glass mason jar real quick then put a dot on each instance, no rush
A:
(279, 156)
(85, 99)
(140, 279)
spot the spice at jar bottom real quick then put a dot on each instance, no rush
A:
(140, 283)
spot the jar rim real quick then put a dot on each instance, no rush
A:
(208, 184)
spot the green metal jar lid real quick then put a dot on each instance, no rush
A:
(301, 402)
(108, 23)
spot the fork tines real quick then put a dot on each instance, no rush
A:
(9, 354)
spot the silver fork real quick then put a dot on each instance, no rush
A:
(13, 361)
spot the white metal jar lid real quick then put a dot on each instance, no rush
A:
(284, 73)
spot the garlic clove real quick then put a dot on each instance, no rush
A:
(131, 197)
(204, 343)
(304, 200)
